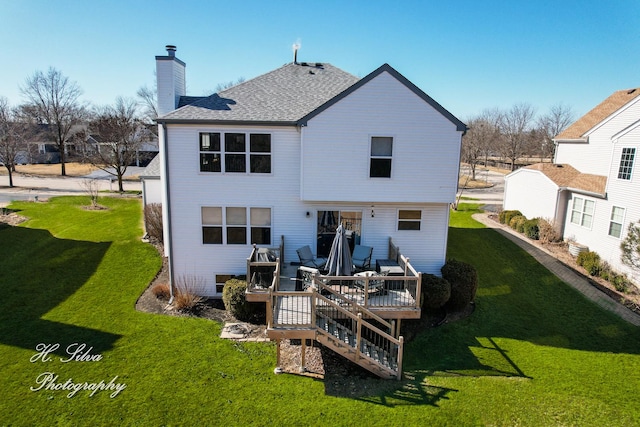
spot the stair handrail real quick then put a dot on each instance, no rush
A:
(357, 308)
(399, 342)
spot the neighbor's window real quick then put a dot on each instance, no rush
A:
(210, 152)
(615, 225)
(626, 163)
(236, 226)
(582, 211)
(381, 151)
(260, 153)
(211, 225)
(409, 220)
(261, 226)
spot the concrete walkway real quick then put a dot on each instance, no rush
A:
(564, 273)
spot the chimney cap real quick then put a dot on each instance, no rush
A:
(171, 50)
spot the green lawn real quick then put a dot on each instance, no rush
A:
(533, 353)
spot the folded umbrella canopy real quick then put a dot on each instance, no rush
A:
(339, 261)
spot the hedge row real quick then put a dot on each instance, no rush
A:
(596, 267)
(520, 223)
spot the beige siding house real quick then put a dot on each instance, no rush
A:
(592, 190)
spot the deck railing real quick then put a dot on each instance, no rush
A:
(263, 268)
(342, 323)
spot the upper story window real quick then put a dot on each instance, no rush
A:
(626, 163)
(615, 224)
(582, 211)
(260, 149)
(409, 219)
(210, 160)
(234, 155)
(381, 153)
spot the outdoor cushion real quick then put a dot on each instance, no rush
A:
(362, 257)
(307, 259)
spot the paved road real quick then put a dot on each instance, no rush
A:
(32, 187)
(491, 197)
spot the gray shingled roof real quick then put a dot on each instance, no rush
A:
(153, 168)
(283, 96)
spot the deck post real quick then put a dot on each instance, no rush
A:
(278, 369)
(358, 337)
(400, 352)
(303, 350)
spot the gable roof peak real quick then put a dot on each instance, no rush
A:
(597, 115)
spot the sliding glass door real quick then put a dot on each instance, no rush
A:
(328, 222)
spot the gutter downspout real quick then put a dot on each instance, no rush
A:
(165, 146)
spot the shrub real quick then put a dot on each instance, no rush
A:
(153, 220)
(517, 223)
(186, 296)
(590, 261)
(547, 231)
(436, 291)
(531, 229)
(505, 216)
(233, 296)
(161, 291)
(620, 282)
(464, 283)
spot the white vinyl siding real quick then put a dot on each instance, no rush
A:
(336, 148)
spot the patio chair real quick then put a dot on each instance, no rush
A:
(362, 257)
(307, 259)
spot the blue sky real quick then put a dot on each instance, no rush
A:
(467, 55)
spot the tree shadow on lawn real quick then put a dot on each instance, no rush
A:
(518, 299)
(39, 273)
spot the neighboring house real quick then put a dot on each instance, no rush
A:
(293, 153)
(151, 184)
(592, 191)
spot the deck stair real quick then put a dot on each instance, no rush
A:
(341, 325)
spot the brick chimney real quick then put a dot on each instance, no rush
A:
(171, 85)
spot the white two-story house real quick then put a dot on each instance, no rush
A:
(592, 189)
(294, 152)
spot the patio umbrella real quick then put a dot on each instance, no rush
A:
(339, 261)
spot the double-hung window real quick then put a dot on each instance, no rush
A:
(615, 224)
(210, 160)
(582, 211)
(409, 219)
(211, 225)
(260, 153)
(235, 152)
(231, 225)
(381, 154)
(626, 163)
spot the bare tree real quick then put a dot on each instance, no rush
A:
(13, 137)
(550, 125)
(222, 86)
(148, 98)
(480, 139)
(515, 125)
(116, 135)
(54, 100)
